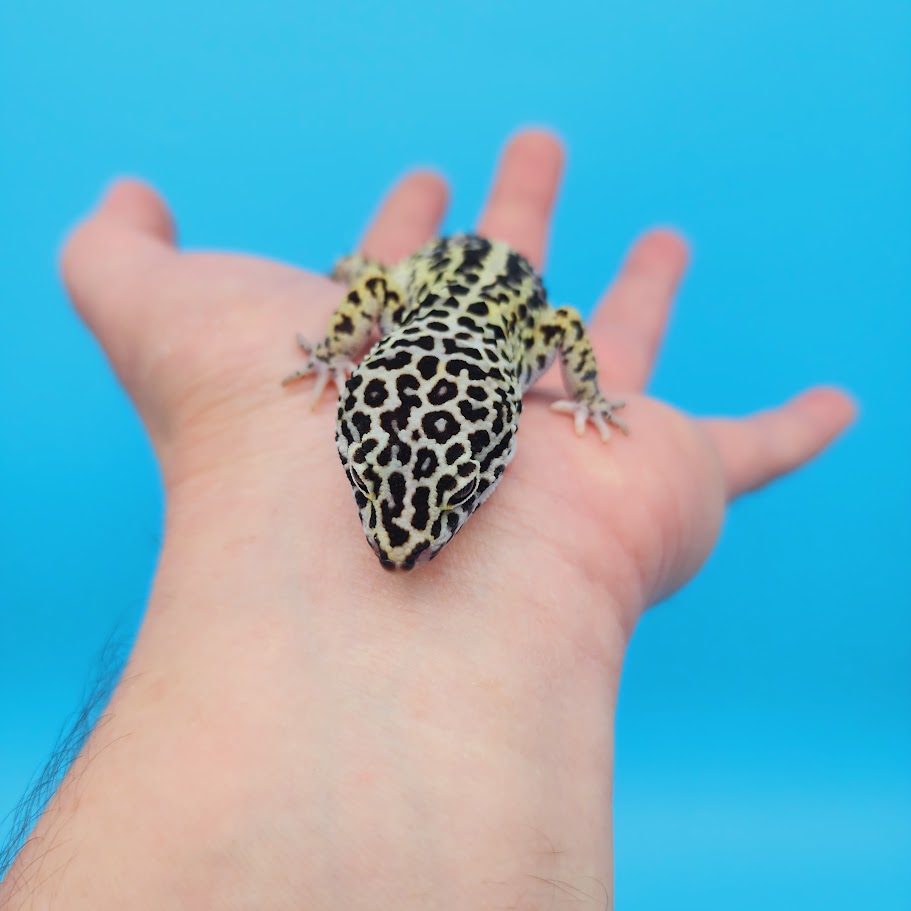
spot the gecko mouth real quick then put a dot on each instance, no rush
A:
(419, 555)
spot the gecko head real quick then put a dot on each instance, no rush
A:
(418, 464)
(411, 500)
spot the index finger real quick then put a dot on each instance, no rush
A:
(521, 201)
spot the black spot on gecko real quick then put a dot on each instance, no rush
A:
(394, 362)
(495, 453)
(420, 501)
(479, 441)
(478, 308)
(452, 346)
(478, 393)
(516, 269)
(549, 332)
(427, 366)
(473, 257)
(395, 421)
(422, 341)
(454, 453)
(375, 393)
(425, 463)
(440, 426)
(344, 325)
(411, 559)
(475, 413)
(397, 535)
(364, 449)
(397, 450)
(455, 366)
(444, 391)
(397, 490)
(360, 421)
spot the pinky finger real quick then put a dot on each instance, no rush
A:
(760, 448)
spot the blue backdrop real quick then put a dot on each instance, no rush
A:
(764, 744)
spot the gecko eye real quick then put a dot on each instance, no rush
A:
(359, 482)
(463, 494)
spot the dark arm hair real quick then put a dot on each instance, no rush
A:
(73, 735)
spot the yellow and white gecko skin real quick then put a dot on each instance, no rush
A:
(427, 421)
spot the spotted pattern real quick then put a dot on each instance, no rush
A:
(427, 421)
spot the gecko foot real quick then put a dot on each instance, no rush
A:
(601, 415)
(323, 367)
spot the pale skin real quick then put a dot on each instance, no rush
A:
(297, 728)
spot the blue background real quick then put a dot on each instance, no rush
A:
(764, 743)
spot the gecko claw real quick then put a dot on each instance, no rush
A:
(323, 368)
(602, 416)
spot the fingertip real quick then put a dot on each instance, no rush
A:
(665, 246)
(408, 217)
(140, 206)
(833, 409)
(130, 225)
(768, 444)
(520, 203)
(428, 180)
(425, 192)
(538, 142)
(536, 156)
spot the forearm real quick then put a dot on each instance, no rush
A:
(295, 732)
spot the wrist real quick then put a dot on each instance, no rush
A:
(280, 705)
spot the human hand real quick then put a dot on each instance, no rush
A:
(200, 340)
(297, 727)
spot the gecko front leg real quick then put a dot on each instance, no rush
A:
(372, 295)
(562, 332)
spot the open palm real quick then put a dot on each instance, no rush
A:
(202, 340)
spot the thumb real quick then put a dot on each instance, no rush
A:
(107, 260)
